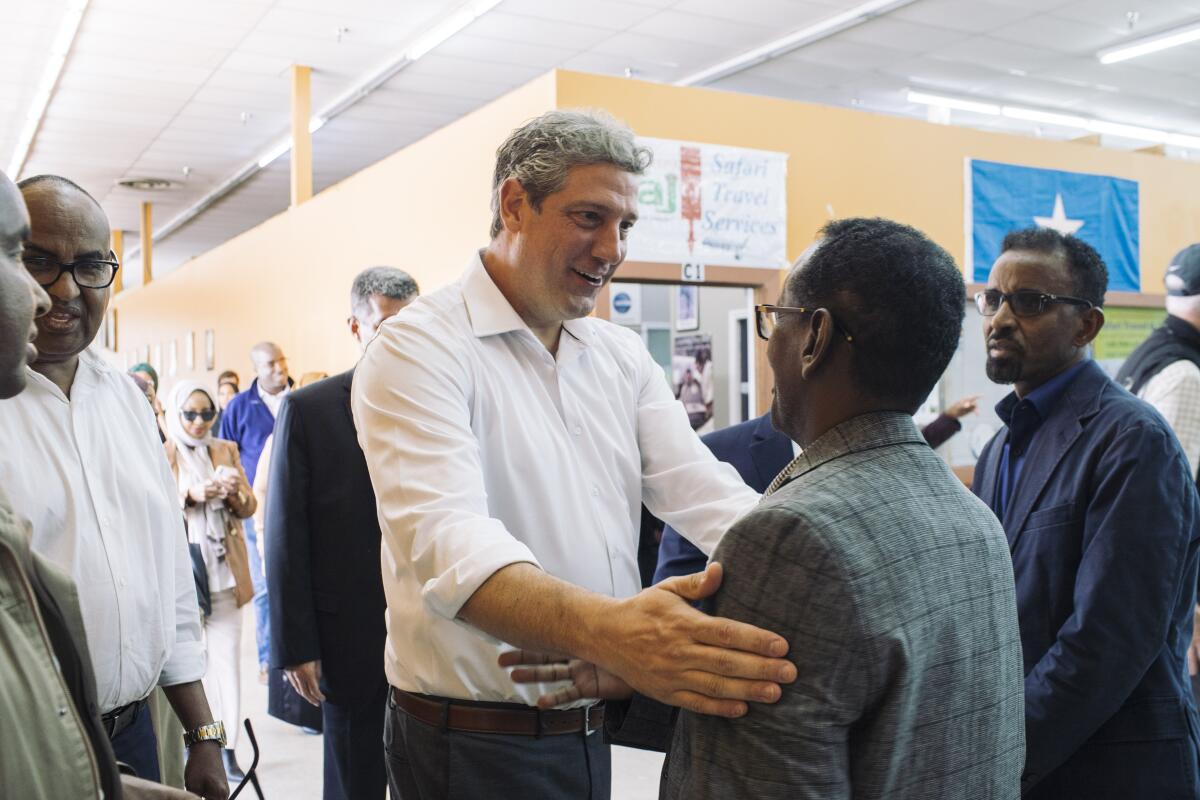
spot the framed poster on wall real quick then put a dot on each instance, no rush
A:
(687, 308)
(210, 350)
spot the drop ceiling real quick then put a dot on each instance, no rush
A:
(193, 90)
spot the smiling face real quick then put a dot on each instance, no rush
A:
(67, 226)
(20, 298)
(1028, 351)
(270, 365)
(570, 248)
(198, 405)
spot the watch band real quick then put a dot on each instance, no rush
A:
(212, 732)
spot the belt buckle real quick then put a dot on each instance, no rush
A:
(588, 730)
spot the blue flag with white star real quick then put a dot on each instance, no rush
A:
(1101, 210)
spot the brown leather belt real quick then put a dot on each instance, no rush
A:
(464, 715)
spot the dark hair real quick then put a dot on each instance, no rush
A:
(898, 293)
(387, 281)
(228, 376)
(1085, 264)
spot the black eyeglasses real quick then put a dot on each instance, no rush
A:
(207, 415)
(91, 273)
(1023, 303)
(766, 319)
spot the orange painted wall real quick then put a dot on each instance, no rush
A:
(863, 164)
(426, 207)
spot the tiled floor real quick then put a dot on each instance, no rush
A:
(290, 761)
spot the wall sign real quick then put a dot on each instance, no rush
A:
(711, 204)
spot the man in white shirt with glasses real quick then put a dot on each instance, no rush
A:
(81, 459)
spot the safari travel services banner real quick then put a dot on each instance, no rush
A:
(711, 204)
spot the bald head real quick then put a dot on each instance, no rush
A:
(68, 227)
(270, 365)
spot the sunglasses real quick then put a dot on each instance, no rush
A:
(207, 415)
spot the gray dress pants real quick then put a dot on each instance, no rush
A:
(426, 762)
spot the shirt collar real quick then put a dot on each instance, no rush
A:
(487, 307)
(491, 313)
(1043, 399)
(86, 376)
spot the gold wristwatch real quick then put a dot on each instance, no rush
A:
(212, 732)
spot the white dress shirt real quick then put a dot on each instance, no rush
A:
(91, 476)
(272, 401)
(485, 450)
(1175, 393)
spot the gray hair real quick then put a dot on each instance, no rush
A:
(540, 152)
(387, 281)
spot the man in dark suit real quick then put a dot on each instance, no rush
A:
(1103, 522)
(323, 576)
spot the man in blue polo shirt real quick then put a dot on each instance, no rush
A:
(1103, 522)
(248, 420)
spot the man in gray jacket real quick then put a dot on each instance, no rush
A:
(891, 581)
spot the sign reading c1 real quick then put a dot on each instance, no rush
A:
(693, 273)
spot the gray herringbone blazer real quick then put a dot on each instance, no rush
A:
(894, 587)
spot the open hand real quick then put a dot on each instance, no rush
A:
(587, 680)
(306, 680)
(667, 650)
(963, 407)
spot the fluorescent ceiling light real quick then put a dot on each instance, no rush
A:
(275, 152)
(1151, 44)
(438, 34)
(778, 47)
(1044, 117)
(56, 59)
(449, 26)
(953, 102)
(1062, 120)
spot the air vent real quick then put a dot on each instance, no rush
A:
(147, 184)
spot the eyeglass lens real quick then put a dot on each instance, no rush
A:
(1023, 304)
(205, 415)
(88, 274)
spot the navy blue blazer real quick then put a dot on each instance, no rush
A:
(323, 542)
(758, 452)
(1103, 526)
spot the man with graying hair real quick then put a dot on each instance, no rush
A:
(322, 535)
(248, 420)
(81, 460)
(511, 440)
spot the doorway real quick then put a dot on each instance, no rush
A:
(701, 334)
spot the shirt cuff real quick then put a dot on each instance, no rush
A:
(185, 665)
(448, 593)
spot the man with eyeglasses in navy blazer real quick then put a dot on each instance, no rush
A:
(1103, 523)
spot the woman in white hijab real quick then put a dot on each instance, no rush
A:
(215, 495)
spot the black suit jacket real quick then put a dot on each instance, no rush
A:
(323, 541)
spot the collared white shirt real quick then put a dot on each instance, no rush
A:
(273, 401)
(91, 476)
(1175, 393)
(485, 450)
